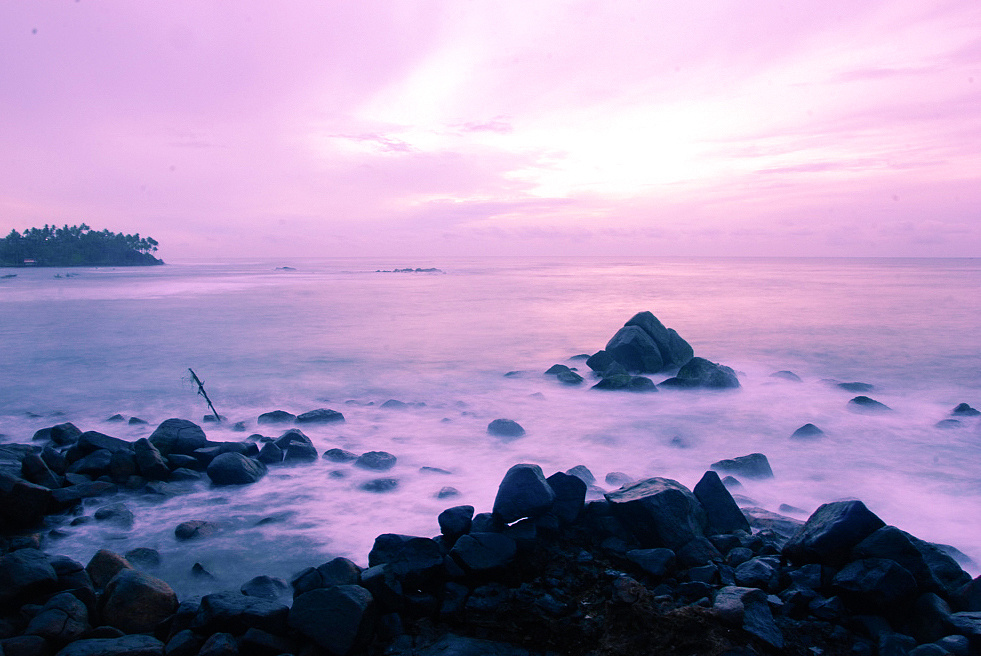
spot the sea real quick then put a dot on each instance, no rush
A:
(469, 343)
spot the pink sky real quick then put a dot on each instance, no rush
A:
(465, 127)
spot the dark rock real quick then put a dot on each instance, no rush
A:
(762, 572)
(261, 643)
(855, 387)
(618, 479)
(338, 619)
(195, 528)
(219, 644)
(300, 452)
(35, 470)
(233, 612)
(569, 377)
(180, 460)
(104, 566)
(831, 532)
(270, 454)
(149, 462)
(721, 511)
(656, 562)
(379, 485)
(455, 521)
(62, 434)
(614, 382)
(660, 512)
(178, 436)
(969, 596)
(122, 466)
(875, 583)
(786, 375)
(557, 369)
(699, 372)
(95, 464)
(807, 431)
(320, 416)
(136, 421)
(505, 428)
(235, 469)
(54, 459)
(115, 513)
(376, 460)
(635, 349)
(748, 609)
(600, 361)
(582, 472)
(339, 455)
(394, 404)
(447, 491)
(266, 587)
(755, 465)
(276, 417)
(483, 552)
(964, 410)
(63, 618)
(135, 602)
(73, 494)
(675, 351)
(25, 572)
(339, 571)
(570, 496)
(523, 492)
(948, 424)
(143, 557)
(130, 645)
(486, 523)
(865, 405)
(933, 570)
(699, 551)
(641, 384)
(91, 441)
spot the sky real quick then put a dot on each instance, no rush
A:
(469, 127)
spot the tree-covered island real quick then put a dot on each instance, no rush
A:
(75, 246)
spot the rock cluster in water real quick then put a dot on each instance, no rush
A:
(652, 567)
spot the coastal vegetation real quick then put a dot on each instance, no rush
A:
(77, 245)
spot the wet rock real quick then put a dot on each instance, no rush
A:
(136, 421)
(63, 618)
(320, 416)
(570, 496)
(104, 566)
(656, 562)
(748, 609)
(143, 557)
(699, 551)
(831, 532)
(600, 361)
(947, 424)
(660, 512)
(235, 469)
(95, 464)
(25, 572)
(376, 460)
(807, 431)
(447, 492)
(675, 351)
(276, 417)
(378, 485)
(721, 511)
(641, 384)
(219, 644)
(855, 387)
(339, 455)
(135, 602)
(178, 436)
(964, 410)
(339, 571)
(62, 434)
(115, 513)
(35, 470)
(866, 405)
(635, 349)
(130, 645)
(266, 587)
(483, 552)
(875, 583)
(195, 528)
(149, 461)
(394, 404)
(270, 454)
(122, 466)
(786, 375)
(933, 570)
(569, 377)
(754, 465)
(91, 441)
(505, 428)
(54, 459)
(233, 612)
(523, 492)
(701, 373)
(761, 572)
(614, 381)
(582, 472)
(338, 619)
(455, 521)
(262, 643)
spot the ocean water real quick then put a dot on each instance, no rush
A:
(340, 334)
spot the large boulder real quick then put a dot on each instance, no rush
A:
(831, 532)
(90, 441)
(701, 373)
(25, 572)
(523, 492)
(933, 570)
(877, 583)
(721, 511)
(659, 512)
(235, 469)
(632, 347)
(149, 461)
(135, 602)
(178, 436)
(63, 618)
(23, 504)
(570, 496)
(479, 552)
(338, 619)
(754, 465)
(675, 351)
(234, 612)
(62, 434)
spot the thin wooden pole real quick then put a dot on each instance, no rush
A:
(204, 394)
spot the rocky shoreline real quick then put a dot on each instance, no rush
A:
(652, 567)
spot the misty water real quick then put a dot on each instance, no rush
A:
(338, 333)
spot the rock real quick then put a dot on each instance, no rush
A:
(699, 551)
(105, 565)
(807, 431)
(762, 519)
(135, 602)
(95, 464)
(233, 612)
(787, 375)
(266, 587)
(339, 455)
(748, 609)
(455, 521)
(570, 496)
(569, 377)
(219, 644)
(262, 643)
(614, 382)
(933, 570)
(149, 461)
(195, 528)
(675, 351)
(761, 572)
(376, 460)
(320, 416)
(339, 571)
(641, 384)
(130, 645)
(235, 469)
(115, 513)
(299, 451)
(699, 372)
(338, 619)
(91, 441)
(270, 454)
(35, 470)
(656, 562)
(964, 410)
(523, 492)
(62, 434)
(276, 417)
(660, 512)
(969, 595)
(947, 424)
(722, 513)
(582, 472)
(505, 428)
(875, 583)
(25, 572)
(394, 404)
(379, 485)
(855, 387)
(755, 465)
(865, 405)
(600, 361)
(831, 532)
(447, 491)
(143, 557)
(557, 369)
(136, 421)
(63, 618)
(178, 436)
(636, 350)
(483, 552)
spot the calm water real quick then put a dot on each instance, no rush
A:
(336, 333)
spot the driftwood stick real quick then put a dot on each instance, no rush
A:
(204, 394)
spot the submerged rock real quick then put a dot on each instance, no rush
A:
(701, 373)
(505, 428)
(755, 465)
(376, 460)
(235, 469)
(320, 416)
(178, 436)
(964, 410)
(787, 375)
(866, 405)
(276, 417)
(807, 431)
